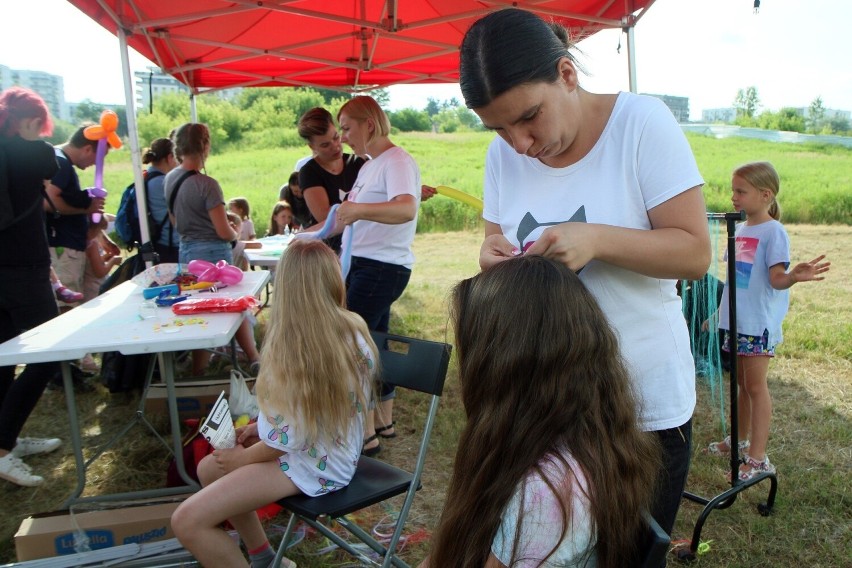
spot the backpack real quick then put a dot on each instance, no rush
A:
(127, 217)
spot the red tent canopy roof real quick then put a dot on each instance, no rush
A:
(348, 44)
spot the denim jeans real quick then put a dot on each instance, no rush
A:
(677, 450)
(26, 301)
(371, 287)
(211, 251)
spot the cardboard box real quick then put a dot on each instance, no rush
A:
(52, 534)
(195, 398)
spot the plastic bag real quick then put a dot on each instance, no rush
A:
(212, 305)
(241, 399)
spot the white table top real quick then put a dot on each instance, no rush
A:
(113, 322)
(268, 255)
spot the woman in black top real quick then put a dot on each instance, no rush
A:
(326, 179)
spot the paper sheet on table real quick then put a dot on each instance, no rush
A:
(218, 427)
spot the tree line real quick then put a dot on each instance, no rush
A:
(267, 117)
(817, 121)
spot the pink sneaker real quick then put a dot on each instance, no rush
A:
(68, 296)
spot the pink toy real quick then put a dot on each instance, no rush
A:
(219, 272)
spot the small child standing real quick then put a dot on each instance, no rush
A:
(282, 222)
(301, 443)
(240, 245)
(102, 255)
(240, 206)
(763, 297)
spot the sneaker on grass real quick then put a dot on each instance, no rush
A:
(30, 446)
(14, 470)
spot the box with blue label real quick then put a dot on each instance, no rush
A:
(55, 534)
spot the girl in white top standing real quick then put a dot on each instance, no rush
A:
(313, 388)
(380, 217)
(762, 293)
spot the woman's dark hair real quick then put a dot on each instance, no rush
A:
(314, 122)
(160, 149)
(540, 378)
(508, 48)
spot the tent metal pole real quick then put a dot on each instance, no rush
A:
(193, 108)
(631, 57)
(133, 135)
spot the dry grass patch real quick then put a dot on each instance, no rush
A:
(811, 437)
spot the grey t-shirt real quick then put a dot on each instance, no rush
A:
(196, 196)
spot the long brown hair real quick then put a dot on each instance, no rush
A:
(310, 363)
(541, 375)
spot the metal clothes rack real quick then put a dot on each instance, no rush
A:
(727, 498)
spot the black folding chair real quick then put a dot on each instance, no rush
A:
(655, 545)
(414, 364)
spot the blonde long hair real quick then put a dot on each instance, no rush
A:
(762, 175)
(310, 360)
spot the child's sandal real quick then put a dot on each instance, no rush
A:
(723, 449)
(755, 468)
(381, 429)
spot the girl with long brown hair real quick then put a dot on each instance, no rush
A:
(551, 468)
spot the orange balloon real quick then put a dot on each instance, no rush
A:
(106, 129)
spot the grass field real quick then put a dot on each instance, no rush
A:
(815, 186)
(810, 440)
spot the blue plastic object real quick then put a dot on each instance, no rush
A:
(156, 291)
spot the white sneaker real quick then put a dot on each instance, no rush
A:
(30, 446)
(14, 470)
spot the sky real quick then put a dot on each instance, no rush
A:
(792, 51)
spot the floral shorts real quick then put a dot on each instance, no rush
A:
(751, 345)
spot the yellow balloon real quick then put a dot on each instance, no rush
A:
(453, 193)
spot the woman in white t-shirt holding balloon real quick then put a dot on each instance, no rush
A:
(381, 217)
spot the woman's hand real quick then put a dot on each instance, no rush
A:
(496, 248)
(348, 212)
(572, 244)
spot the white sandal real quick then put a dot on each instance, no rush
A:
(716, 448)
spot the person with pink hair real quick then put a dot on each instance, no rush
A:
(26, 297)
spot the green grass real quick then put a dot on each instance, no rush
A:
(815, 185)
(810, 380)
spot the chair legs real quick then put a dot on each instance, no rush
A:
(354, 529)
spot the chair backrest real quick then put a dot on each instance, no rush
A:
(655, 544)
(416, 364)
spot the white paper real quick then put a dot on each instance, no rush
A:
(218, 427)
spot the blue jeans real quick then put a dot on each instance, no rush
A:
(371, 287)
(211, 251)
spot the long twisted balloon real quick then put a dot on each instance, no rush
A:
(104, 133)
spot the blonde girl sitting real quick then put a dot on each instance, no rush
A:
(312, 391)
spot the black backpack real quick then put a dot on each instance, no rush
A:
(127, 216)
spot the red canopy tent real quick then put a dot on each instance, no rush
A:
(351, 45)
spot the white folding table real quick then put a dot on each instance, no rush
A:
(121, 320)
(267, 256)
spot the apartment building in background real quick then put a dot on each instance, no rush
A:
(50, 87)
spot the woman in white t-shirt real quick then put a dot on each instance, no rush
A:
(380, 215)
(551, 467)
(607, 185)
